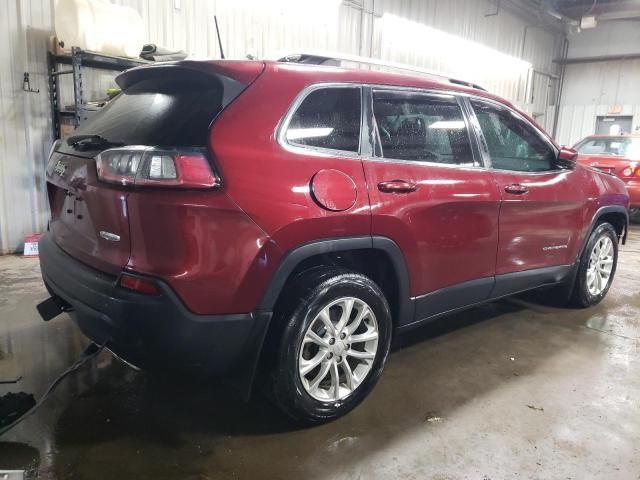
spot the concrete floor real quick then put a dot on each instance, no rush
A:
(509, 390)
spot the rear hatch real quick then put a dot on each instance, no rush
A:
(165, 106)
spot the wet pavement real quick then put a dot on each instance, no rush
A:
(513, 389)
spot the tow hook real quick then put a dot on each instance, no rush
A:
(52, 307)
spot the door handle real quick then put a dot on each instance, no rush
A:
(516, 189)
(397, 186)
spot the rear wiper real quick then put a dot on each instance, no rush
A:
(89, 142)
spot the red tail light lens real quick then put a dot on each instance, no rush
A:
(120, 165)
(138, 284)
(147, 166)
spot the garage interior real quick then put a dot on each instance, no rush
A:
(516, 388)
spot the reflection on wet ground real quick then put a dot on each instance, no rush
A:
(510, 389)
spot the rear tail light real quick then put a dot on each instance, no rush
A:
(154, 167)
(138, 284)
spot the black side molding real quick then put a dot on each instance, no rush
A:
(516, 282)
(453, 297)
(469, 294)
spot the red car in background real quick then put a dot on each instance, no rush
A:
(618, 155)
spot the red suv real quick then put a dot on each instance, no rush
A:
(618, 155)
(232, 217)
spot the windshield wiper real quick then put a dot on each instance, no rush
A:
(91, 142)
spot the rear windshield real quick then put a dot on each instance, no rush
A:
(168, 110)
(614, 146)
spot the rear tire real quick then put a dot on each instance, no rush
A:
(336, 338)
(597, 267)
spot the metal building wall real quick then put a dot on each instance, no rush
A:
(590, 89)
(259, 28)
(24, 119)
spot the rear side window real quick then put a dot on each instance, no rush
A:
(327, 118)
(604, 146)
(422, 127)
(513, 144)
(167, 110)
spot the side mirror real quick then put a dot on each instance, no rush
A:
(568, 154)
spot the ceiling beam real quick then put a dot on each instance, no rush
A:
(603, 9)
(602, 58)
(531, 12)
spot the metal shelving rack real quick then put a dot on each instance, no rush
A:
(79, 59)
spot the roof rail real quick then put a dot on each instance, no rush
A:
(321, 58)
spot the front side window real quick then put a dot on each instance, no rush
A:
(327, 118)
(421, 127)
(512, 143)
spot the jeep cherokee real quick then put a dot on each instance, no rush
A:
(231, 217)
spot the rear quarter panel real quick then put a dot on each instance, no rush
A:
(202, 245)
(271, 183)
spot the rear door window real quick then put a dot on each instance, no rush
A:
(422, 127)
(327, 118)
(615, 146)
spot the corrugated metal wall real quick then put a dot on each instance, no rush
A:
(408, 36)
(409, 31)
(24, 119)
(592, 89)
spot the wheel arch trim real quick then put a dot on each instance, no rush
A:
(333, 245)
(596, 216)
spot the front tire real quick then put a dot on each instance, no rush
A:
(334, 346)
(597, 266)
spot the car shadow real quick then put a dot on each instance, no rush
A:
(199, 425)
(159, 405)
(19, 456)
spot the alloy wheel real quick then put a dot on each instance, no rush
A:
(338, 349)
(600, 266)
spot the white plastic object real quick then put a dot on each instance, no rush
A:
(99, 26)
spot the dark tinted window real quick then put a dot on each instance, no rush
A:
(327, 118)
(512, 143)
(168, 110)
(415, 126)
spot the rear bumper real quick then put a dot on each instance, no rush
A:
(153, 330)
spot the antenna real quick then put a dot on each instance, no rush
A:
(215, 19)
